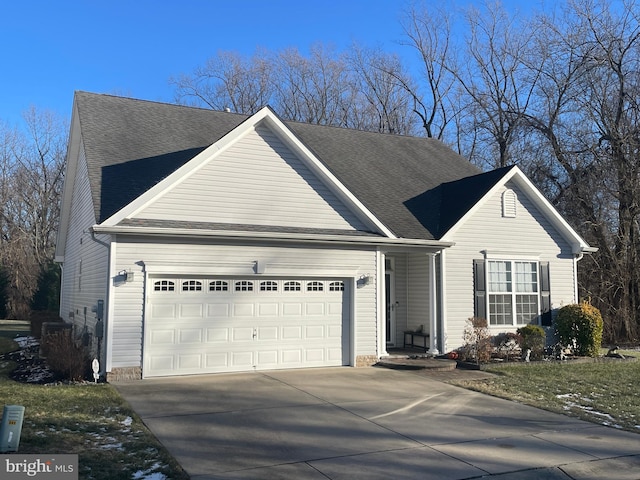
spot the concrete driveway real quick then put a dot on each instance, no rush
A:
(369, 423)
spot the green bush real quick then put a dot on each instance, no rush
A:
(534, 339)
(580, 327)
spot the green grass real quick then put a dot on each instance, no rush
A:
(90, 420)
(605, 393)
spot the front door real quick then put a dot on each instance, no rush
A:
(390, 303)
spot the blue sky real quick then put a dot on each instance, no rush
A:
(50, 48)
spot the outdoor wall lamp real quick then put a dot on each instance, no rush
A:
(126, 275)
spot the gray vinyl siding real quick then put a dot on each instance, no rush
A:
(401, 297)
(529, 233)
(411, 277)
(418, 292)
(85, 264)
(213, 259)
(256, 181)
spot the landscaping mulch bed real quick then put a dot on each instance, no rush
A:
(30, 368)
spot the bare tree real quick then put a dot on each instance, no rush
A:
(586, 117)
(31, 173)
(229, 81)
(383, 89)
(314, 89)
(428, 32)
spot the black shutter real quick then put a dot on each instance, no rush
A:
(480, 290)
(545, 295)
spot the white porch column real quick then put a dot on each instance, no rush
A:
(433, 306)
(380, 301)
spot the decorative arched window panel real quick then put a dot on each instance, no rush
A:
(244, 286)
(315, 287)
(164, 286)
(218, 286)
(509, 202)
(191, 286)
(292, 286)
(268, 286)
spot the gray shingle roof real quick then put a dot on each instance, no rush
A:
(413, 185)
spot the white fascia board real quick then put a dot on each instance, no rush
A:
(267, 116)
(269, 236)
(73, 153)
(577, 243)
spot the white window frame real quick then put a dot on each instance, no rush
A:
(511, 291)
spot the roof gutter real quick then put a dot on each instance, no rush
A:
(277, 236)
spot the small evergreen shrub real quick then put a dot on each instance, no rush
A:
(580, 326)
(533, 337)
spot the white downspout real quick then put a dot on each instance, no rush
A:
(109, 310)
(576, 259)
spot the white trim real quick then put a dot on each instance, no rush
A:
(433, 302)
(267, 117)
(443, 297)
(575, 279)
(513, 293)
(250, 268)
(577, 243)
(499, 255)
(352, 320)
(282, 236)
(110, 310)
(380, 301)
(75, 146)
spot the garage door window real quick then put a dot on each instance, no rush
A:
(336, 287)
(244, 286)
(315, 287)
(292, 286)
(268, 286)
(192, 286)
(218, 286)
(164, 286)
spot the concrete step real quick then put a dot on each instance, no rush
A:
(417, 363)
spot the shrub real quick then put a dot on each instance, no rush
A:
(507, 344)
(580, 326)
(477, 340)
(65, 356)
(533, 338)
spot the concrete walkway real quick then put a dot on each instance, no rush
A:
(368, 423)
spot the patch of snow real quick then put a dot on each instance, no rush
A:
(149, 474)
(608, 420)
(25, 342)
(111, 446)
(127, 422)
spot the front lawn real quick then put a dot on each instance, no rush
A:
(90, 420)
(605, 393)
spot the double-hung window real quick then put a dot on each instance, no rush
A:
(513, 292)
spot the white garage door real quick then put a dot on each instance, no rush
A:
(209, 325)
